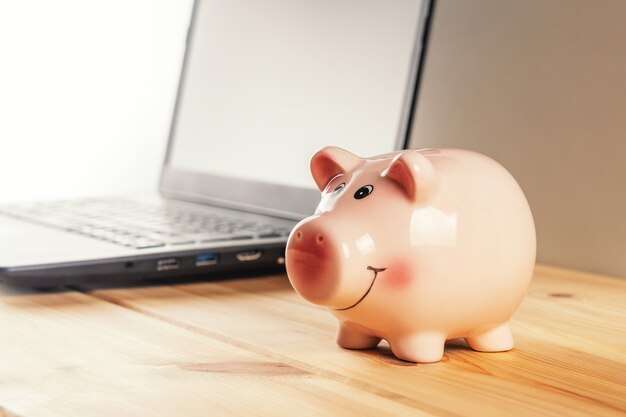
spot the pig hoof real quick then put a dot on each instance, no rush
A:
(423, 348)
(350, 339)
(496, 339)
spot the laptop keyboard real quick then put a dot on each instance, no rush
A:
(144, 225)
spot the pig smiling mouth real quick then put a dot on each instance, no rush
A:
(369, 268)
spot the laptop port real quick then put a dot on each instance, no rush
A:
(168, 264)
(249, 255)
(207, 258)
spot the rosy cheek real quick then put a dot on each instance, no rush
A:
(398, 275)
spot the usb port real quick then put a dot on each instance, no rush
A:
(168, 264)
(249, 255)
(207, 258)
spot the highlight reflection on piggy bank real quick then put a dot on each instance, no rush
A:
(415, 247)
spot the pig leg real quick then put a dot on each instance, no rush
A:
(421, 347)
(494, 339)
(351, 338)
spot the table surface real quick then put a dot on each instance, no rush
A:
(253, 347)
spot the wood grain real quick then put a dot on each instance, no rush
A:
(72, 354)
(253, 347)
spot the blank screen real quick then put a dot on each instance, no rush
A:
(266, 84)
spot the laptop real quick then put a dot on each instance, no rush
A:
(263, 86)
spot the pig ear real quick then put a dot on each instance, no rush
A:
(414, 173)
(331, 161)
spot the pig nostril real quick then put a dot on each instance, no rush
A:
(298, 234)
(320, 238)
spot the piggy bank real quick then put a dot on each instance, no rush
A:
(415, 247)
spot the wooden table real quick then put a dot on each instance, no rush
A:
(252, 347)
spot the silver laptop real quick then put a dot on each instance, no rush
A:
(263, 86)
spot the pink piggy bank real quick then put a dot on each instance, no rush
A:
(415, 247)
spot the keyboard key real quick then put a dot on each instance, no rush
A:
(227, 237)
(270, 235)
(149, 245)
(285, 231)
(182, 242)
(240, 237)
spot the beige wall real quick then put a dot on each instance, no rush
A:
(541, 87)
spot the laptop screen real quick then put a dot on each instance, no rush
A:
(266, 84)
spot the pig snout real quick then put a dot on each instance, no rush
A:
(312, 261)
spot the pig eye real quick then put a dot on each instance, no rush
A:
(339, 188)
(363, 192)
